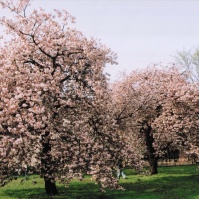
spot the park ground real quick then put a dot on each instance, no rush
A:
(173, 182)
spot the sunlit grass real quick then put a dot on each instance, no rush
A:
(176, 182)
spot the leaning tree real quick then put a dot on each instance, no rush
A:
(159, 107)
(55, 115)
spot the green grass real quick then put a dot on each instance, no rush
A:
(176, 182)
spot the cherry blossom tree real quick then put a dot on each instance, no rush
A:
(160, 108)
(55, 114)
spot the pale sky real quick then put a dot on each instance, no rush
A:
(141, 32)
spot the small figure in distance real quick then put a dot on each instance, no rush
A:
(120, 169)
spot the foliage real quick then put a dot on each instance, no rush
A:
(189, 63)
(54, 114)
(159, 108)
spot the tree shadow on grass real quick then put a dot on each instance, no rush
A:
(138, 187)
(79, 191)
(90, 191)
(170, 187)
(25, 193)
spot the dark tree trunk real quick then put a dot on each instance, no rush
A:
(153, 166)
(152, 158)
(48, 166)
(50, 187)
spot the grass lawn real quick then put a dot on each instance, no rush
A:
(176, 182)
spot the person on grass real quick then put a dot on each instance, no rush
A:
(120, 170)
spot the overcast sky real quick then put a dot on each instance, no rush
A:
(141, 32)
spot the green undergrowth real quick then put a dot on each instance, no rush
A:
(174, 182)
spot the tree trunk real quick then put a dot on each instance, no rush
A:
(47, 164)
(153, 166)
(50, 187)
(152, 158)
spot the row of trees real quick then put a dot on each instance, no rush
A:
(160, 108)
(61, 117)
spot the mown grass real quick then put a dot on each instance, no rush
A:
(176, 182)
